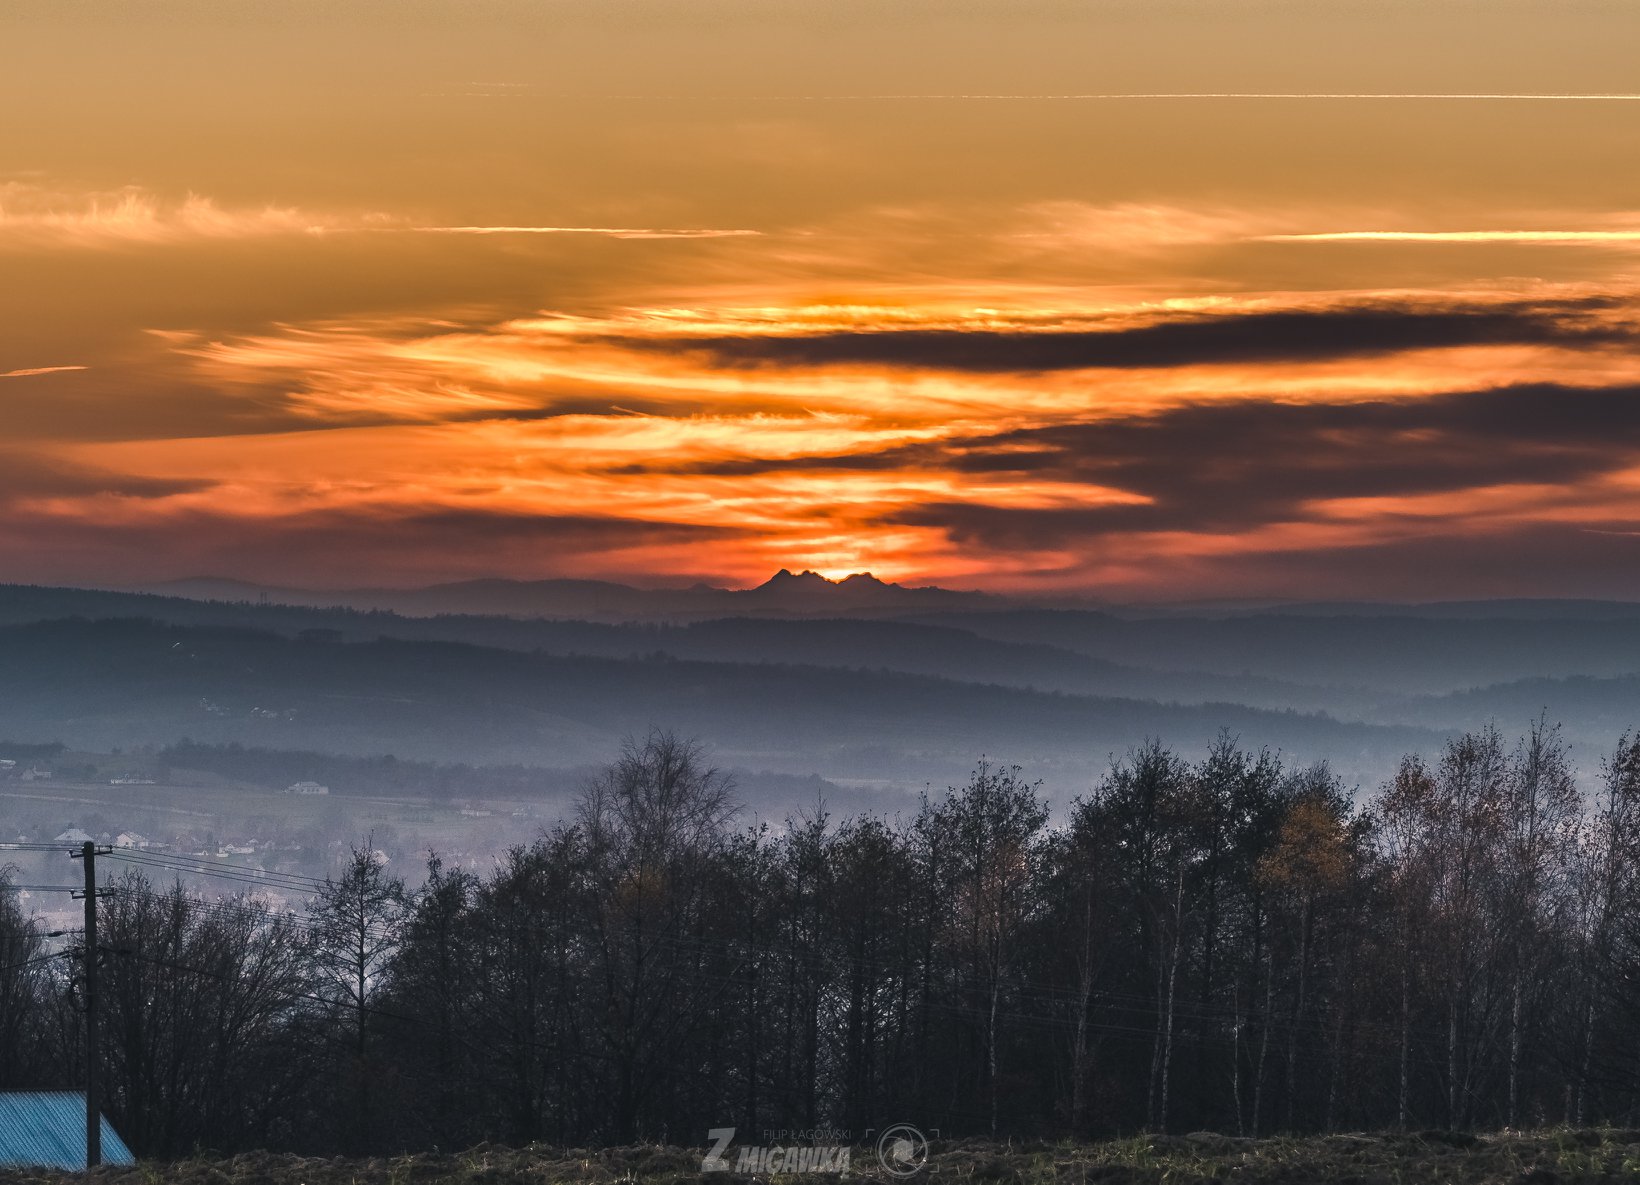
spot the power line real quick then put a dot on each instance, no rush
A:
(56, 954)
(202, 863)
(248, 876)
(207, 866)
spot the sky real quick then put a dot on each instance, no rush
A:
(1138, 299)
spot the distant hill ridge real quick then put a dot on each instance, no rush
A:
(811, 594)
(1436, 667)
(784, 593)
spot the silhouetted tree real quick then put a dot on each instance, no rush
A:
(356, 919)
(651, 823)
(1226, 942)
(22, 953)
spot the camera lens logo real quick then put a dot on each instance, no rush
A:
(902, 1150)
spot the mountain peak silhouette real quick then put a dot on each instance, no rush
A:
(808, 579)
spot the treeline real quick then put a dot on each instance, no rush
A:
(1228, 944)
(30, 751)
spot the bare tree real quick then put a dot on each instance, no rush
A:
(1543, 813)
(994, 825)
(650, 820)
(357, 919)
(22, 951)
(1609, 876)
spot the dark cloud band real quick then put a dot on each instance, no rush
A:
(1261, 337)
(1229, 467)
(1235, 466)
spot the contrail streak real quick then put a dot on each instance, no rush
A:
(1592, 237)
(1606, 97)
(616, 232)
(33, 370)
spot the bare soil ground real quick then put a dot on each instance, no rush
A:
(1541, 1158)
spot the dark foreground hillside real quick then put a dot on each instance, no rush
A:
(1430, 1157)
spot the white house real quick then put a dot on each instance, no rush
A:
(307, 788)
(129, 839)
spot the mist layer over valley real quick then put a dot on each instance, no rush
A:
(860, 702)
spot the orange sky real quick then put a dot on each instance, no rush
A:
(1138, 300)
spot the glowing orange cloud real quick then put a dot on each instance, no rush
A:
(840, 409)
(635, 421)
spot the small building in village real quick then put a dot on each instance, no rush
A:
(45, 1129)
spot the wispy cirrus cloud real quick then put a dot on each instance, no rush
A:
(853, 362)
(1149, 228)
(32, 214)
(1139, 227)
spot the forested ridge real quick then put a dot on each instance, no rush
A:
(1231, 944)
(104, 684)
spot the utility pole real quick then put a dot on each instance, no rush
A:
(93, 1047)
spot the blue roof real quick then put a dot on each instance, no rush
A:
(46, 1129)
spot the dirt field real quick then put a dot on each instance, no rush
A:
(1571, 1156)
